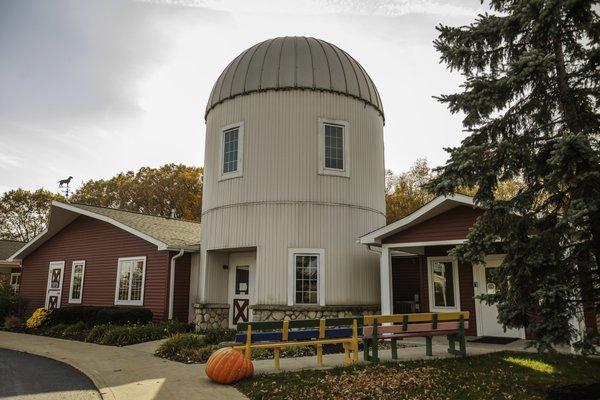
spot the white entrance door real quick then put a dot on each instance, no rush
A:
(55, 284)
(241, 273)
(487, 315)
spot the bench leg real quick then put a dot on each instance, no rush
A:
(320, 355)
(451, 345)
(347, 359)
(375, 352)
(355, 352)
(276, 352)
(463, 345)
(366, 346)
(394, 349)
(428, 346)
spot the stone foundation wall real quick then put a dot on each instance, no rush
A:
(280, 313)
(211, 315)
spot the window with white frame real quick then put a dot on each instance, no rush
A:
(15, 280)
(130, 281)
(333, 147)
(232, 146)
(76, 287)
(306, 277)
(443, 284)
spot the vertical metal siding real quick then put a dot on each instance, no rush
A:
(282, 202)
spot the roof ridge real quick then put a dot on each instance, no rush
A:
(132, 212)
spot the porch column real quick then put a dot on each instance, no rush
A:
(385, 278)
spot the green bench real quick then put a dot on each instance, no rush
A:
(400, 326)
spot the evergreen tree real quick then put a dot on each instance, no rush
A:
(531, 100)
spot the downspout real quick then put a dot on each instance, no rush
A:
(172, 282)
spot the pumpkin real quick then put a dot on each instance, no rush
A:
(227, 366)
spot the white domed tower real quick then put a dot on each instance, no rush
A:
(293, 176)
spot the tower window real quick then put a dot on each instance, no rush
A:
(333, 148)
(232, 141)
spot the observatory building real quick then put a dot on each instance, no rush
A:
(294, 174)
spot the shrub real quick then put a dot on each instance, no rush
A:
(12, 322)
(131, 334)
(55, 330)
(186, 347)
(123, 316)
(11, 303)
(93, 315)
(96, 334)
(74, 329)
(174, 326)
(38, 318)
(219, 335)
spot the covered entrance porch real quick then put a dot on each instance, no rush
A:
(417, 274)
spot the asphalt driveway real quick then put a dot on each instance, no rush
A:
(24, 375)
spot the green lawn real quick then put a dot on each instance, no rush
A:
(493, 376)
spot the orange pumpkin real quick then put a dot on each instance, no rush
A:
(227, 365)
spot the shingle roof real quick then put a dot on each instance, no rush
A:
(295, 62)
(173, 232)
(8, 248)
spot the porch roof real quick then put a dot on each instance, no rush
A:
(437, 206)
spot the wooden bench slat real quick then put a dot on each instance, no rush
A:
(295, 344)
(298, 323)
(412, 328)
(306, 334)
(420, 317)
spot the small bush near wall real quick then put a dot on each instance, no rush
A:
(124, 335)
(11, 303)
(219, 335)
(100, 315)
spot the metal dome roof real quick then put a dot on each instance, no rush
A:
(287, 63)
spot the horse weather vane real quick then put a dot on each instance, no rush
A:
(63, 185)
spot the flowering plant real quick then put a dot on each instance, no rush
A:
(38, 318)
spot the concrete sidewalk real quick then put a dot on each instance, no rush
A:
(125, 373)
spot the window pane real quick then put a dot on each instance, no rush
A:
(306, 279)
(334, 147)
(124, 272)
(77, 275)
(136, 281)
(230, 150)
(443, 284)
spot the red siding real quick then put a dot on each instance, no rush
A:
(100, 244)
(451, 225)
(181, 294)
(405, 279)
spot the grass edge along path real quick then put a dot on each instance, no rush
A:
(504, 375)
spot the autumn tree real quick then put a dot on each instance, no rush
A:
(530, 98)
(405, 192)
(24, 214)
(155, 191)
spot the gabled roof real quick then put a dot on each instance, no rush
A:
(8, 248)
(435, 207)
(165, 233)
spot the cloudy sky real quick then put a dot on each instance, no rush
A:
(90, 88)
